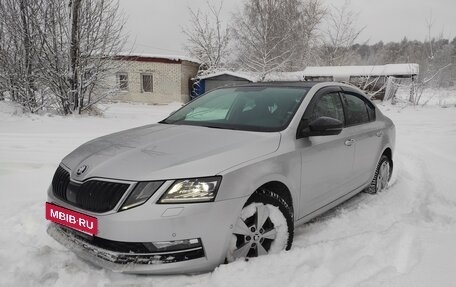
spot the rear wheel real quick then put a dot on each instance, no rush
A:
(264, 226)
(381, 177)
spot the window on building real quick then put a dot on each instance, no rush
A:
(122, 81)
(147, 83)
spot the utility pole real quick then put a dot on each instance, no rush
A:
(75, 53)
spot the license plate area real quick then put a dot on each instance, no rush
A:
(72, 219)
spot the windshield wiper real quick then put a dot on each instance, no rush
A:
(217, 127)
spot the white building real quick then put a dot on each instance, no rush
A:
(154, 79)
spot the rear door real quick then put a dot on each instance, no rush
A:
(366, 133)
(327, 161)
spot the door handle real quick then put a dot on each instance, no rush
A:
(349, 142)
(379, 133)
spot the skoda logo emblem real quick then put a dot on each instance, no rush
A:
(81, 169)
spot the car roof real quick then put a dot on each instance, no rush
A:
(304, 84)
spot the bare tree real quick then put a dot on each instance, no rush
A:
(101, 39)
(208, 36)
(276, 35)
(18, 47)
(262, 35)
(307, 35)
(429, 38)
(340, 35)
(55, 58)
(436, 63)
(2, 70)
(58, 53)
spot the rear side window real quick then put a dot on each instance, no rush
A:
(357, 110)
(329, 105)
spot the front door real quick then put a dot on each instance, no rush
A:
(327, 161)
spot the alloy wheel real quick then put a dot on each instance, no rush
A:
(255, 234)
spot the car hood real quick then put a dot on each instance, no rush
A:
(162, 151)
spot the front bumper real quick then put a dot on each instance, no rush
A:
(157, 262)
(211, 223)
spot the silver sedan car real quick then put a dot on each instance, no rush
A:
(227, 176)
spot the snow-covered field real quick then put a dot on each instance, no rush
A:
(405, 236)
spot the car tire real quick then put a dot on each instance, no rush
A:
(264, 226)
(381, 177)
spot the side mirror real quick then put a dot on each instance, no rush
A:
(322, 126)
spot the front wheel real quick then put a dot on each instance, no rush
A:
(264, 226)
(381, 177)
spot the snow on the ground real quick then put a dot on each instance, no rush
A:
(431, 96)
(402, 237)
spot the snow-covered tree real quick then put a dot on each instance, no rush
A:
(339, 35)
(86, 48)
(208, 36)
(276, 35)
(19, 46)
(58, 53)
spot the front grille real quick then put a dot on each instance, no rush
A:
(60, 182)
(92, 195)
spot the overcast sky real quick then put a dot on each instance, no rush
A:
(155, 26)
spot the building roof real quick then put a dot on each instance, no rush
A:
(256, 77)
(324, 71)
(378, 70)
(243, 75)
(133, 56)
(284, 76)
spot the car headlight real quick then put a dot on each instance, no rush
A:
(192, 190)
(141, 193)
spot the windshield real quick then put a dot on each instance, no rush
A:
(263, 109)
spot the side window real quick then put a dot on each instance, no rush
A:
(357, 110)
(328, 105)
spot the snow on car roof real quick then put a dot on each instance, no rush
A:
(377, 70)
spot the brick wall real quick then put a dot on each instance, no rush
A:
(167, 82)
